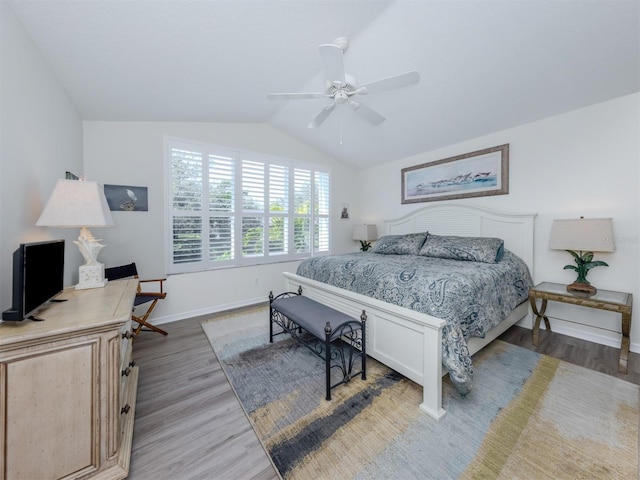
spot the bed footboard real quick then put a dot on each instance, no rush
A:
(406, 341)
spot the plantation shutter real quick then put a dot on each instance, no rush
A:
(231, 208)
(221, 208)
(321, 212)
(278, 210)
(302, 211)
(253, 193)
(187, 188)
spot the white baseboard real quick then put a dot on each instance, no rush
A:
(208, 311)
(583, 332)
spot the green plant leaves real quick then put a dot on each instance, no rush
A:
(584, 263)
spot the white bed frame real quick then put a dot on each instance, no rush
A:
(411, 342)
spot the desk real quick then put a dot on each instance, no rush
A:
(603, 300)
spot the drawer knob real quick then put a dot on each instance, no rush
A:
(127, 335)
(132, 363)
(125, 409)
(126, 372)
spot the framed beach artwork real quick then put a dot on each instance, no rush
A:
(476, 174)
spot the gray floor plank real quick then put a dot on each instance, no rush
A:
(594, 356)
(189, 423)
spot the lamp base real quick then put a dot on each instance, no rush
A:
(91, 276)
(582, 289)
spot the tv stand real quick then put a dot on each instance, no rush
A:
(69, 387)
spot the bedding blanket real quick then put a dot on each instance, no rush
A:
(472, 297)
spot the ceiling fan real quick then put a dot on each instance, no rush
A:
(342, 88)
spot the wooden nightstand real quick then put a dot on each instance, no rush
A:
(603, 300)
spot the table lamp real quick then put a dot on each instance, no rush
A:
(80, 204)
(581, 237)
(365, 233)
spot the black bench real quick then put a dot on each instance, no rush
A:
(333, 336)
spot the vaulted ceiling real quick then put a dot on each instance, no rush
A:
(485, 65)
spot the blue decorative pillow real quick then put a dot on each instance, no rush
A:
(471, 249)
(408, 244)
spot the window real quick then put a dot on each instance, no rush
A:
(228, 207)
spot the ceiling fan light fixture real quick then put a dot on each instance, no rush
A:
(350, 85)
(341, 97)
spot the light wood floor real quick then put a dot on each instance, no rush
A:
(580, 352)
(189, 424)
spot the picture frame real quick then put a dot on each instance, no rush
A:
(344, 212)
(127, 198)
(476, 174)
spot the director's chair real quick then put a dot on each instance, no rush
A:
(142, 297)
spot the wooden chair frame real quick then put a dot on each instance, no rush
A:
(153, 297)
(142, 296)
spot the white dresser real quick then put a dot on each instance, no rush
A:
(68, 388)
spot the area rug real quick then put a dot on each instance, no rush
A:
(529, 416)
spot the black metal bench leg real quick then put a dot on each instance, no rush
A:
(327, 358)
(270, 317)
(363, 333)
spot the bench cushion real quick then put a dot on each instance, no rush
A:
(311, 315)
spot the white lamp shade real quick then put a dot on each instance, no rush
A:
(76, 203)
(365, 232)
(582, 234)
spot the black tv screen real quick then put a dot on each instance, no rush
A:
(38, 276)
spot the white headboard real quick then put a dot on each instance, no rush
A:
(516, 229)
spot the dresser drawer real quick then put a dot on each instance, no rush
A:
(127, 413)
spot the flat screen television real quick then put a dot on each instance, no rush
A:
(38, 276)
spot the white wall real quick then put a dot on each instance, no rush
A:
(131, 153)
(585, 162)
(582, 163)
(40, 139)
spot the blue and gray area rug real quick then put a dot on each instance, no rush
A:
(528, 416)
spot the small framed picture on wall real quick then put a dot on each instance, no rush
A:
(344, 213)
(126, 198)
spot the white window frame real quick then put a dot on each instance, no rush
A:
(238, 260)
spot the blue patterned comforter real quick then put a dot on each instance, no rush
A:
(472, 297)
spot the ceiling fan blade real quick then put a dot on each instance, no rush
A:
(322, 116)
(369, 114)
(333, 64)
(396, 81)
(295, 96)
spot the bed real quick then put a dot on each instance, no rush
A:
(410, 341)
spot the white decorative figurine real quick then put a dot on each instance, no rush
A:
(92, 272)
